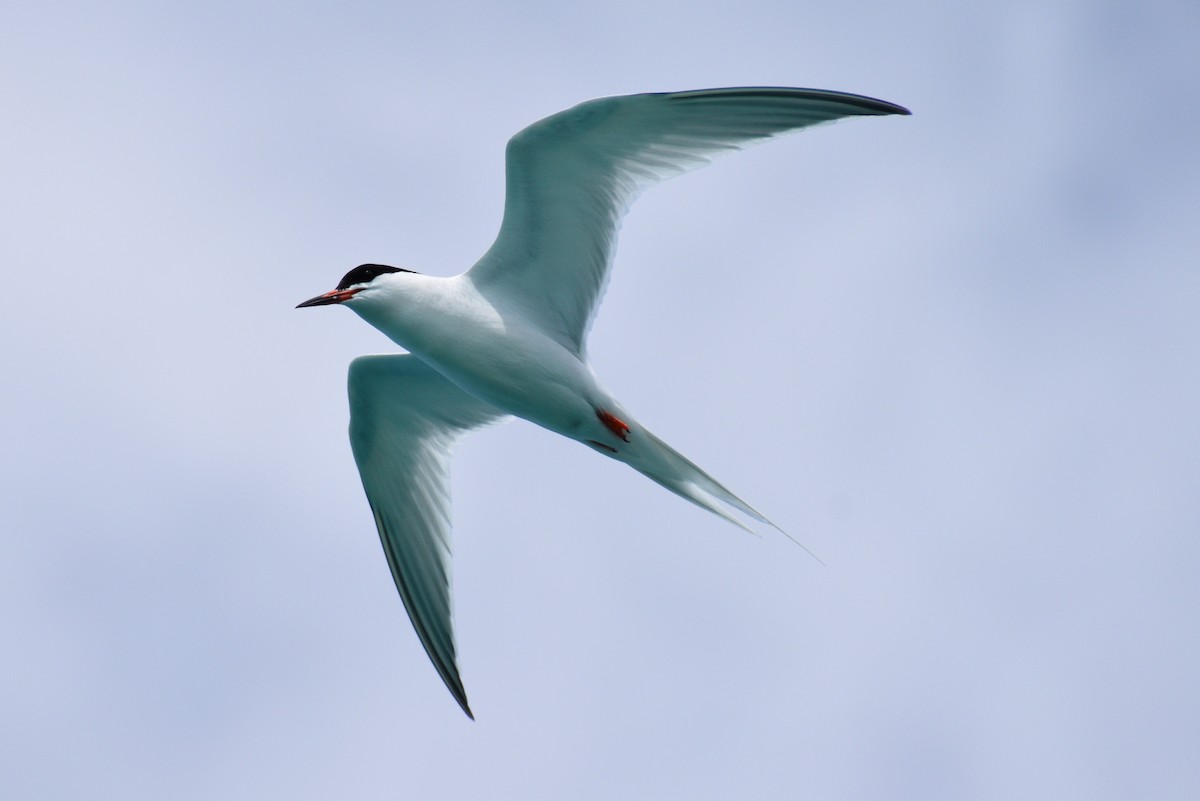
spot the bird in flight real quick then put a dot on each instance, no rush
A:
(508, 337)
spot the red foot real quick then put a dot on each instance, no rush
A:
(615, 424)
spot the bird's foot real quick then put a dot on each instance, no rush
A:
(615, 424)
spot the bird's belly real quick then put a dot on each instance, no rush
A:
(498, 357)
(526, 374)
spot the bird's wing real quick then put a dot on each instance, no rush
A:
(571, 177)
(404, 418)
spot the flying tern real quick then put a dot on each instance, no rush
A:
(508, 337)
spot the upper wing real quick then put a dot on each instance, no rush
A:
(404, 416)
(572, 176)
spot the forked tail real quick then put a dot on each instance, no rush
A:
(663, 464)
(666, 466)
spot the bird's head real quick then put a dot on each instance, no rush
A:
(362, 283)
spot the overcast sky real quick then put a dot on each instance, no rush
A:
(955, 354)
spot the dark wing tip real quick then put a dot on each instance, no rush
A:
(441, 653)
(866, 105)
(454, 685)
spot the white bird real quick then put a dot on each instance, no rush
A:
(508, 337)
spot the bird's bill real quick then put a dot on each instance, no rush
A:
(336, 296)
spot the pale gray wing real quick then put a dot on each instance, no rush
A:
(404, 418)
(572, 176)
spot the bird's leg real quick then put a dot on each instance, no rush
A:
(615, 424)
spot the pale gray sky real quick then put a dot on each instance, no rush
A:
(955, 354)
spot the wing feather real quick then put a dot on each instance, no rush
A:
(571, 177)
(404, 419)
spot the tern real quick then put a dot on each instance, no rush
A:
(508, 337)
